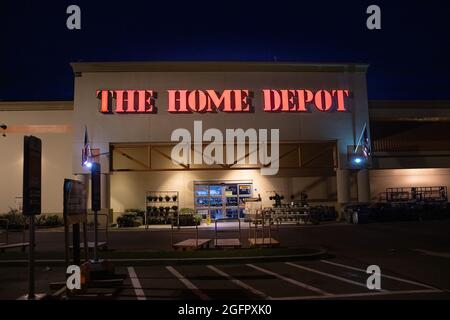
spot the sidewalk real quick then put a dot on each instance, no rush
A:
(244, 255)
(203, 226)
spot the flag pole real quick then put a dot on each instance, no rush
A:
(360, 138)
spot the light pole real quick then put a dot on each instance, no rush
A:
(95, 169)
(96, 202)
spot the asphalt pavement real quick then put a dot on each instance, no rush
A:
(413, 257)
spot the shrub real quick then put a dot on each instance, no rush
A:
(16, 220)
(198, 219)
(188, 211)
(156, 220)
(137, 211)
(49, 221)
(127, 221)
(187, 217)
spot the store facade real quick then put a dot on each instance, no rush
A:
(132, 111)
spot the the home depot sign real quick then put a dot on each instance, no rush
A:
(189, 101)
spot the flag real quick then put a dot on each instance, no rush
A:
(366, 143)
(86, 152)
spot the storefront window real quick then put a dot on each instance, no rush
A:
(201, 190)
(221, 200)
(215, 191)
(202, 202)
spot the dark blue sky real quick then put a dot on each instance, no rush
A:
(409, 57)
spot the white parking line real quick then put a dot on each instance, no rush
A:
(365, 294)
(239, 283)
(383, 275)
(295, 282)
(329, 275)
(140, 295)
(188, 283)
(434, 253)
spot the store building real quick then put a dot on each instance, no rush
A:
(322, 111)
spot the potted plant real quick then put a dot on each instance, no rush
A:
(198, 219)
(187, 211)
(174, 197)
(167, 197)
(174, 208)
(160, 198)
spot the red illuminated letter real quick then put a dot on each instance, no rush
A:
(323, 100)
(146, 101)
(242, 101)
(223, 103)
(288, 100)
(177, 101)
(272, 100)
(124, 98)
(341, 94)
(304, 97)
(197, 101)
(105, 100)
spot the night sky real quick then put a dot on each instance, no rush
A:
(409, 57)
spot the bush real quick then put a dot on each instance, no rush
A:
(189, 211)
(49, 221)
(137, 211)
(127, 221)
(16, 220)
(187, 217)
(156, 220)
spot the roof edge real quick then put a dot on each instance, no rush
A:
(211, 66)
(35, 105)
(409, 104)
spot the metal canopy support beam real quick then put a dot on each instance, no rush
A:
(169, 158)
(149, 149)
(131, 158)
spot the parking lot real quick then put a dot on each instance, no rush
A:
(297, 280)
(290, 280)
(413, 258)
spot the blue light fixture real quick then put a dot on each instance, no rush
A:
(87, 164)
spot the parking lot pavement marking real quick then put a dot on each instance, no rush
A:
(364, 294)
(295, 282)
(188, 283)
(239, 283)
(140, 295)
(433, 253)
(329, 275)
(383, 275)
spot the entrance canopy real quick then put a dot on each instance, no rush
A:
(302, 158)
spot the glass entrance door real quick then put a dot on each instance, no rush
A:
(221, 200)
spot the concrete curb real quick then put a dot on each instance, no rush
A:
(319, 254)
